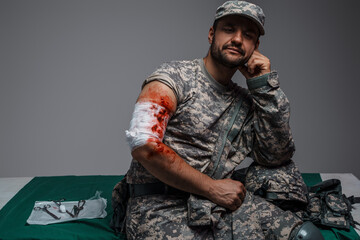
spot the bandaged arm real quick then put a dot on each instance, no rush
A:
(161, 161)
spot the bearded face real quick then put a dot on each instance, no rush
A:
(233, 41)
(221, 56)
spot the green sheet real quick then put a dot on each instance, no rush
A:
(14, 214)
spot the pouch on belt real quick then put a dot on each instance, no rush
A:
(328, 206)
(282, 185)
(120, 197)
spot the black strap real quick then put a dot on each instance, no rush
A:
(237, 108)
(137, 190)
(354, 200)
(333, 184)
(240, 175)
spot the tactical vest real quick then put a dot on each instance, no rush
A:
(329, 207)
(323, 204)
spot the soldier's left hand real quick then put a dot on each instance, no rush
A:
(257, 65)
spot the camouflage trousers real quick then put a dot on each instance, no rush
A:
(166, 217)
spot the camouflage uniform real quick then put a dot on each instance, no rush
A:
(208, 134)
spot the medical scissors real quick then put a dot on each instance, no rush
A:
(58, 203)
(79, 207)
(45, 209)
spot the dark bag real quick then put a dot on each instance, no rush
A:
(328, 206)
(120, 196)
(281, 185)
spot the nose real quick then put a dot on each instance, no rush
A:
(237, 38)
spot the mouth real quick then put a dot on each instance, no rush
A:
(235, 50)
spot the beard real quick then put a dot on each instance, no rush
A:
(221, 57)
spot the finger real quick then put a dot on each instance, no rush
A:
(241, 202)
(233, 205)
(244, 71)
(242, 191)
(252, 64)
(242, 195)
(257, 56)
(256, 63)
(238, 203)
(233, 208)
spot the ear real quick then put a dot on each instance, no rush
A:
(211, 35)
(257, 44)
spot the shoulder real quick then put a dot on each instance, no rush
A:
(177, 75)
(179, 65)
(177, 72)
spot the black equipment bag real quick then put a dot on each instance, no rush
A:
(328, 206)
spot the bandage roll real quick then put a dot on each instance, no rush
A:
(149, 121)
(62, 208)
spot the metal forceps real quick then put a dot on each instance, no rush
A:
(79, 207)
(45, 209)
(58, 203)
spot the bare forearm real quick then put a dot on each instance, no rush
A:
(162, 162)
(170, 168)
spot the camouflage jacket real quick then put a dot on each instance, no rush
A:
(215, 126)
(213, 129)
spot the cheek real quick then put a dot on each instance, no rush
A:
(249, 48)
(219, 40)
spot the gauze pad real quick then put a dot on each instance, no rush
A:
(94, 207)
(149, 121)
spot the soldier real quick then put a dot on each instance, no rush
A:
(192, 126)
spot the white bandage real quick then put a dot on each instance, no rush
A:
(149, 121)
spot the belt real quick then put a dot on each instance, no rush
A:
(136, 190)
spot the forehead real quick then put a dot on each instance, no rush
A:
(239, 21)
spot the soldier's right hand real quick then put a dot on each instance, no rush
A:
(227, 193)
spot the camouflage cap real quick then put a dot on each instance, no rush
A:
(245, 9)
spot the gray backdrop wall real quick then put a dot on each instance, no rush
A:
(70, 73)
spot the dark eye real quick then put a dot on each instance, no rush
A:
(249, 35)
(228, 29)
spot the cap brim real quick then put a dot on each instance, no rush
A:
(258, 24)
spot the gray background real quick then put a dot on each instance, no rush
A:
(70, 72)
